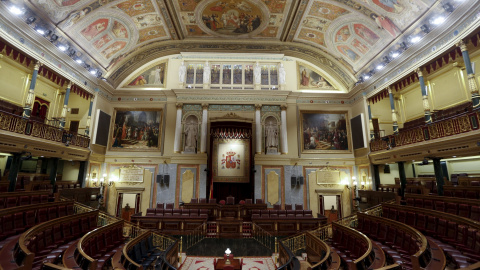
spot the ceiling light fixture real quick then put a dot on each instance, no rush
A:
(78, 60)
(41, 31)
(30, 20)
(53, 38)
(366, 77)
(380, 67)
(448, 7)
(395, 54)
(16, 10)
(425, 28)
(437, 20)
(93, 71)
(62, 47)
(415, 39)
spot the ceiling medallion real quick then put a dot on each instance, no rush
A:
(232, 18)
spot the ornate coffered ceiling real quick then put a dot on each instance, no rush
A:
(345, 36)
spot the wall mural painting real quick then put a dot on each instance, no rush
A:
(95, 28)
(324, 132)
(310, 79)
(231, 162)
(113, 49)
(312, 35)
(360, 46)
(65, 3)
(232, 17)
(348, 52)
(365, 33)
(327, 11)
(154, 76)
(386, 24)
(136, 130)
(136, 7)
(147, 20)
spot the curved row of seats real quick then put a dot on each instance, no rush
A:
(458, 237)
(12, 199)
(467, 208)
(194, 213)
(266, 214)
(469, 192)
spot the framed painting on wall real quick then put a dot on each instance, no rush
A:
(310, 79)
(136, 130)
(324, 132)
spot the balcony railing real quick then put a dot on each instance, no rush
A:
(461, 123)
(17, 124)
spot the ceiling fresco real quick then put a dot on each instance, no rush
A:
(350, 33)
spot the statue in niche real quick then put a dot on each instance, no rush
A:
(271, 137)
(282, 75)
(191, 131)
(181, 72)
(257, 73)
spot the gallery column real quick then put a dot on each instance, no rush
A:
(376, 176)
(426, 105)
(178, 128)
(203, 145)
(65, 105)
(258, 129)
(472, 82)
(437, 167)
(257, 76)
(27, 110)
(370, 122)
(89, 116)
(206, 76)
(394, 113)
(53, 162)
(403, 177)
(13, 172)
(283, 115)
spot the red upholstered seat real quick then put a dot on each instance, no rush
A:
(459, 193)
(84, 225)
(230, 200)
(410, 202)
(18, 223)
(288, 207)
(428, 204)
(177, 212)
(431, 225)
(11, 202)
(194, 212)
(160, 205)
(29, 219)
(212, 201)
(448, 193)
(464, 210)
(150, 212)
(419, 203)
(392, 214)
(440, 206)
(382, 232)
(194, 200)
(421, 222)
(202, 200)
(42, 215)
(76, 228)
(169, 206)
(43, 198)
(168, 212)
(57, 234)
(471, 194)
(277, 206)
(62, 211)
(70, 210)
(298, 213)
(290, 213)
(402, 216)
(452, 208)
(159, 212)
(67, 232)
(441, 230)
(259, 201)
(52, 212)
(2, 202)
(248, 201)
(24, 200)
(222, 202)
(185, 212)
(475, 213)
(282, 213)
(298, 206)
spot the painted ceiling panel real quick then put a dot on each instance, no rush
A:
(349, 32)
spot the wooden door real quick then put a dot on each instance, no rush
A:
(74, 126)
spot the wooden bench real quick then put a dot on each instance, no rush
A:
(319, 254)
(469, 192)
(12, 199)
(468, 181)
(354, 248)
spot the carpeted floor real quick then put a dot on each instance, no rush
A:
(249, 263)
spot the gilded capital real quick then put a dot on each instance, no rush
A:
(462, 45)
(205, 106)
(69, 85)
(389, 89)
(258, 107)
(92, 98)
(179, 106)
(37, 65)
(419, 72)
(283, 107)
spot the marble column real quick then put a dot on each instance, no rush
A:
(370, 122)
(472, 82)
(206, 76)
(178, 129)
(89, 116)
(283, 115)
(394, 113)
(282, 77)
(426, 105)
(27, 109)
(258, 129)
(437, 167)
(182, 71)
(203, 144)
(65, 105)
(257, 76)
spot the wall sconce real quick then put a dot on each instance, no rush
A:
(345, 183)
(363, 185)
(354, 181)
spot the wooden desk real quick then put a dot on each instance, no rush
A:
(234, 262)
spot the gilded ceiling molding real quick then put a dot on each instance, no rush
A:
(315, 56)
